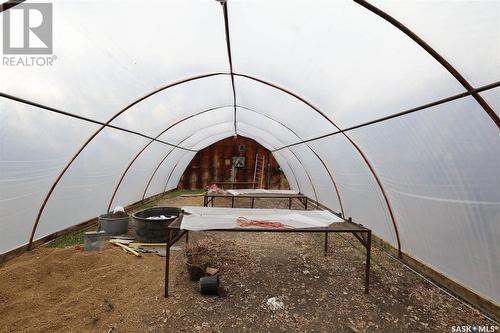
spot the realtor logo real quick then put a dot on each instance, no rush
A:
(27, 29)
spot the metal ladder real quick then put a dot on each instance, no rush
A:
(258, 173)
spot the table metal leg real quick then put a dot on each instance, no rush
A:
(253, 201)
(204, 201)
(187, 237)
(232, 202)
(167, 262)
(326, 243)
(305, 205)
(289, 203)
(368, 257)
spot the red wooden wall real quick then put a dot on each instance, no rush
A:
(213, 164)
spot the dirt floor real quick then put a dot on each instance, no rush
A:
(66, 289)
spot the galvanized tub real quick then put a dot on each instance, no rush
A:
(113, 226)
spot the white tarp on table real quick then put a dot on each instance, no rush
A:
(260, 191)
(209, 218)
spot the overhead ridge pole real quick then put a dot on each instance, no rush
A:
(230, 58)
(400, 114)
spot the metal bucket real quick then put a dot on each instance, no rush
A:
(94, 240)
(113, 226)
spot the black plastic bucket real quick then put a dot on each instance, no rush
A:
(209, 285)
(153, 230)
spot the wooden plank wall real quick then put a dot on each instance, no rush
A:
(213, 164)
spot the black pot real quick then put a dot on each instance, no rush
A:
(209, 285)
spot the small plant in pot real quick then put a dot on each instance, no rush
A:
(197, 259)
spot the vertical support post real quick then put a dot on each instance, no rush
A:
(187, 237)
(305, 205)
(368, 257)
(205, 200)
(232, 201)
(253, 201)
(326, 243)
(290, 203)
(167, 261)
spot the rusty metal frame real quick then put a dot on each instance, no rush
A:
(175, 166)
(90, 120)
(210, 110)
(361, 233)
(310, 148)
(402, 113)
(9, 4)
(438, 57)
(244, 134)
(197, 78)
(230, 59)
(149, 143)
(361, 153)
(301, 164)
(85, 144)
(365, 4)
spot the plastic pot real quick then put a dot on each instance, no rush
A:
(152, 230)
(209, 285)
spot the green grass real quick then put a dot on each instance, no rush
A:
(177, 193)
(76, 238)
(68, 240)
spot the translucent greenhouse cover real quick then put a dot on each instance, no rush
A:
(383, 111)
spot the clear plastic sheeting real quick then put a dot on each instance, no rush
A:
(300, 71)
(35, 145)
(345, 60)
(361, 197)
(440, 168)
(86, 188)
(182, 39)
(320, 175)
(272, 102)
(171, 106)
(463, 25)
(135, 179)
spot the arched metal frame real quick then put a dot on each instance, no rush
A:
(168, 178)
(363, 3)
(198, 78)
(433, 53)
(149, 143)
(358, 149)
(312, 150)
(161, 162)
(61, 174)
(213, 110)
